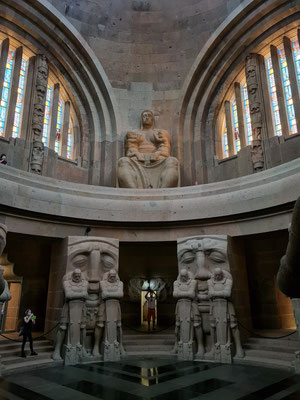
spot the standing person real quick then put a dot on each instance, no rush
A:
(3, 159)
(29, 319)
(151, 297)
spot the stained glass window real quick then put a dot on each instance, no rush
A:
(58, 126)
(69, 145)
(274, 101)
(19, 104)
(247, 113)
(287, 92)
(236, 126)
(296, 52)
(225, 142)
(5, 90)
(47, 114)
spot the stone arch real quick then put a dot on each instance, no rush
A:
(251, 23)
(39, 24)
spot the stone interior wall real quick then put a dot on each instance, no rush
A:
(148, 260)
(31, 258)
(270, 309)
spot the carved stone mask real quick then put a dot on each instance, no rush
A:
(200, 255)
(3, 231)
(94, 256)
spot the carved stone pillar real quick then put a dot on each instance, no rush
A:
(93, 256)
(257, 110)
(38, 112)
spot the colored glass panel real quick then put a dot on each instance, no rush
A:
(58, 126)
(273, 95)
(19, 104)
(225, 142)
(247, 113)
(287, 91)
(236, 126)
(5, 90)
(296, 52)
(69, 145)
(47, 114)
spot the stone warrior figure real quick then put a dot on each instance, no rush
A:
(147, 163)
(222, 318)
(187, 317)
(112, 291)
(72, 319)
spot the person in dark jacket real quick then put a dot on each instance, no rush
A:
(28, 321)
(3, 159)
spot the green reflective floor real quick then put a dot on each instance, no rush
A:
(153, 379)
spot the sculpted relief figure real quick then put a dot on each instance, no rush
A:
(73, 318)
(200, 256)
(147, 163)
(112, 291)
(187, 320)
(223, 320)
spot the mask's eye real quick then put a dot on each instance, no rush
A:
(188, 257)
(108, 261)
(217, 257)
(80, 261)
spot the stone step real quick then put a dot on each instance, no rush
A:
(149, 341)
(264, 362)
(148, 336)
(294, 344)
(270, 355)
(29, 364)
(15, 359)
(16, 351)
(150, 353)
(274, 348)
(142, 348)
(9, 344)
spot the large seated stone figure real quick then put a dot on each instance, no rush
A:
(73, 319)
(147, 163)
(222, 318)
(112, 291)
(3, 231)
(185, 288)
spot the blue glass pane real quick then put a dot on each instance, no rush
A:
(273, 94)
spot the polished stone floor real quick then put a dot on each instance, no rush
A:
(152, 379)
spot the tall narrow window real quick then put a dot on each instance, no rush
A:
(236, 126)
(287, 91)
(19, 104)
(296, 51)
(274, 101)
(225, 142)
(58, 126)
(247, 113)
(47, 114)
(5, 91)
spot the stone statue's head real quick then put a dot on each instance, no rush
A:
(76, 275)
(218, 274)
(200, 255)
(94, 256)
(112, 275)
(147, 119)
(184, 275)
(3, 231)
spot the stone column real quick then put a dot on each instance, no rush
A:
(27, 99)
(257, 110)
(65, 130)
(37, 113)
(13, 92)
(93, 256)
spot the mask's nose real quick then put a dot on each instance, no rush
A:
(202, 272)
(94, 265)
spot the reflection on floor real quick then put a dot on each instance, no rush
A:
(149, 378)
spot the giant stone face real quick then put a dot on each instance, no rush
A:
(202, 254)
(3, 231)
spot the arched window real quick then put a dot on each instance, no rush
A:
(282, 77)
(15, 81)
